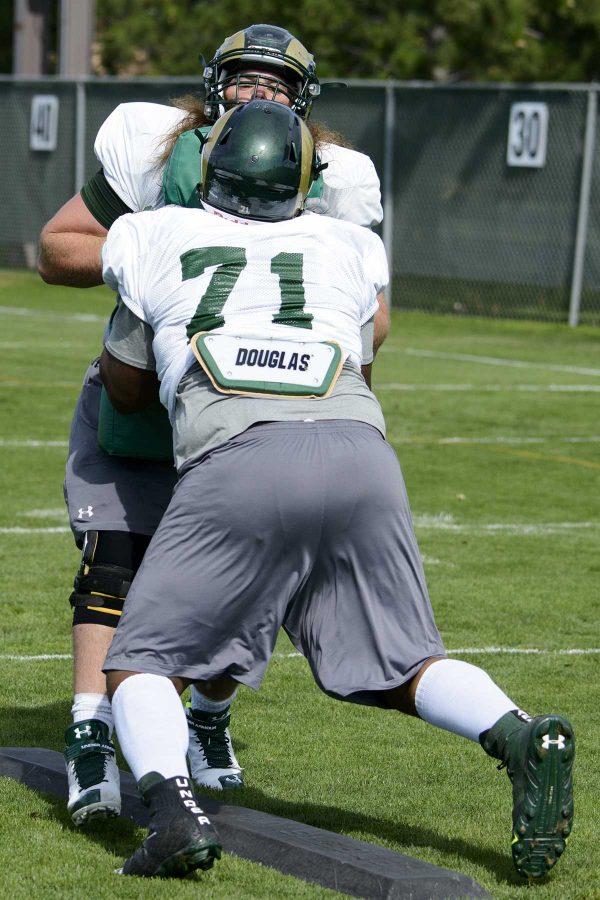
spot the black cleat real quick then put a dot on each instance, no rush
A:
(181, 837)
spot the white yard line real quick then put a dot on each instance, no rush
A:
(30, 443)
(22, 345)
(446, 522)
(432, 561)
(55, 512)
(527, 651)
(494, 651)
(491, 388)
(47, 314)
(42, 657)
(18, 530)
(499, 439)
(423, 522)
(500, 361)
(466, 651)
(17, 383)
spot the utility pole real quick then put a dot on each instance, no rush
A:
(30, 36)
(77, 28)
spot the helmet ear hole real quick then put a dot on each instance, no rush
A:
(293, 154)
(225, 137)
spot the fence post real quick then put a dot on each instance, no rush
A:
(80, 113)
(584, 206)
(388, 184)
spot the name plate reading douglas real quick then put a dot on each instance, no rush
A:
(248, 365)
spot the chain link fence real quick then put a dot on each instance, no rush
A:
(466, 232)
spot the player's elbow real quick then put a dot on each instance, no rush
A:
(45, 270)
(47, 267)
(47, 273)
(382, 322)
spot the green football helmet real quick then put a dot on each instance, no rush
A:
(258, 162)
(289, 69)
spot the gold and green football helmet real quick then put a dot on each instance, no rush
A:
(258, 162)
(284, 63)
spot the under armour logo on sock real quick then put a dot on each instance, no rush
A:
(83, 732)
(559, 743)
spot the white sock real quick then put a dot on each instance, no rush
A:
(151, 726)
(92, 706)
(205, 704)
(460, 698)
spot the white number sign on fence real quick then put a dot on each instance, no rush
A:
(44, 122)
(527, 135)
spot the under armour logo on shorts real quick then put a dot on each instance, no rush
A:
(89, 512)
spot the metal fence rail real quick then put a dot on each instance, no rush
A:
(466, 232)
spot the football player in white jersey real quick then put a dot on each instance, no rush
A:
(290, 509)
(148, 153)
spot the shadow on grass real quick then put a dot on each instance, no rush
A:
(41, 726)
(118, 836)
(44, 727)
(394, 833)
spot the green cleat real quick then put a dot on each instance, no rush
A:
(211, 757)
(539, 760)
(92, 773)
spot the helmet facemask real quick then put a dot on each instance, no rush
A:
(244, 77)
(265, 56)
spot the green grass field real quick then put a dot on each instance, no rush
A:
(502, 464)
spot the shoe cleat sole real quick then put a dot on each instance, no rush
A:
(182, 863)
(546, 816)
(92, 806)
(211, 781)
(188, 860)
(231, 782)
(95, 812)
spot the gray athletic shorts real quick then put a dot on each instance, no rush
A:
(301, 525)
(110, 493)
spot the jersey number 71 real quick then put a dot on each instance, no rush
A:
(230, 262)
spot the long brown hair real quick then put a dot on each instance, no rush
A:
(193, 106)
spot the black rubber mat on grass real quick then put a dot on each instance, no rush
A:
(332, 860)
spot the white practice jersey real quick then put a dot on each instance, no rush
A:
(175, 265)
(130, 141)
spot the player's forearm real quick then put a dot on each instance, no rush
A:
(70, 258)
(129, 389)
(382, 323)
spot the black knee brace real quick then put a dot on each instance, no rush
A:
(109, 562)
